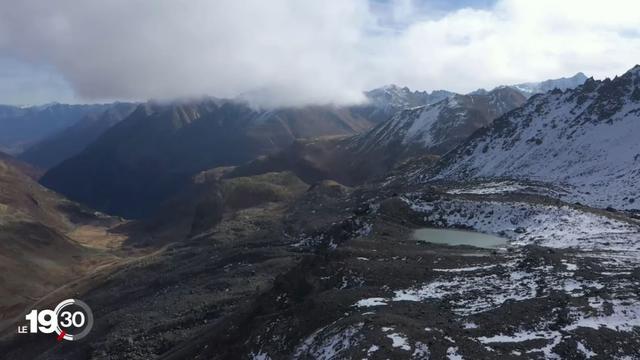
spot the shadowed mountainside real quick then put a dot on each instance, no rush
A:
(24, 126)
(45, 240)
(72, 140)
(138, 163)
(426, 131)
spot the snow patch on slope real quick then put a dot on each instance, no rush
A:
(529, 223)
(329, 342)
(585, 139)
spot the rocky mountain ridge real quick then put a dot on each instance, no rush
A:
(584, 139)
(152, 153)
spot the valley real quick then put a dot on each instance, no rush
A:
(334, 271)
(43, 245)
(222, 232)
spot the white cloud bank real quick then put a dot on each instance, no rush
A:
(291, 52)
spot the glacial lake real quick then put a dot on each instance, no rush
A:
(459, 237)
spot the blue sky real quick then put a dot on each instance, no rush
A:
(420, 9)
(445, 5)
(23, 83)
(302, 52)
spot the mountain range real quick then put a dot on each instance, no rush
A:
(433, 129)
(296, 232)
(41, 239)
(139, 162)
(25, 126)
(68, 142)
(428, 130)
(581, 138)
(396, 97)
(532, 88)
(153, 152)
(46, 135)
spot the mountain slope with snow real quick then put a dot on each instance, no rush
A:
(403, 97)
(437, 128)
(425, 132)
(585, 139)
(532, 88)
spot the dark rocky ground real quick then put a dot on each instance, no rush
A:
(384, 295)
(333, 273)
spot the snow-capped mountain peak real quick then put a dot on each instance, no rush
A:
(532, 88)
(585, 138)
(402, 97)
(437, 128)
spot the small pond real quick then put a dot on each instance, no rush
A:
(459, 237)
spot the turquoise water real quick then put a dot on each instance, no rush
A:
(459, 237)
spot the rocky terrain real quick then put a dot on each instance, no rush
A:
(564, 286)
(328, 272)
(428, 130)
(194, 283)
(392, 98)
(46, 241)
(434, 129)
(279, 259)
(532, 88)
(21, 166)
(582, 139)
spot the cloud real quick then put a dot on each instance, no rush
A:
(305, 51)
(289, 52)
(25, 84)
(519, 40)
